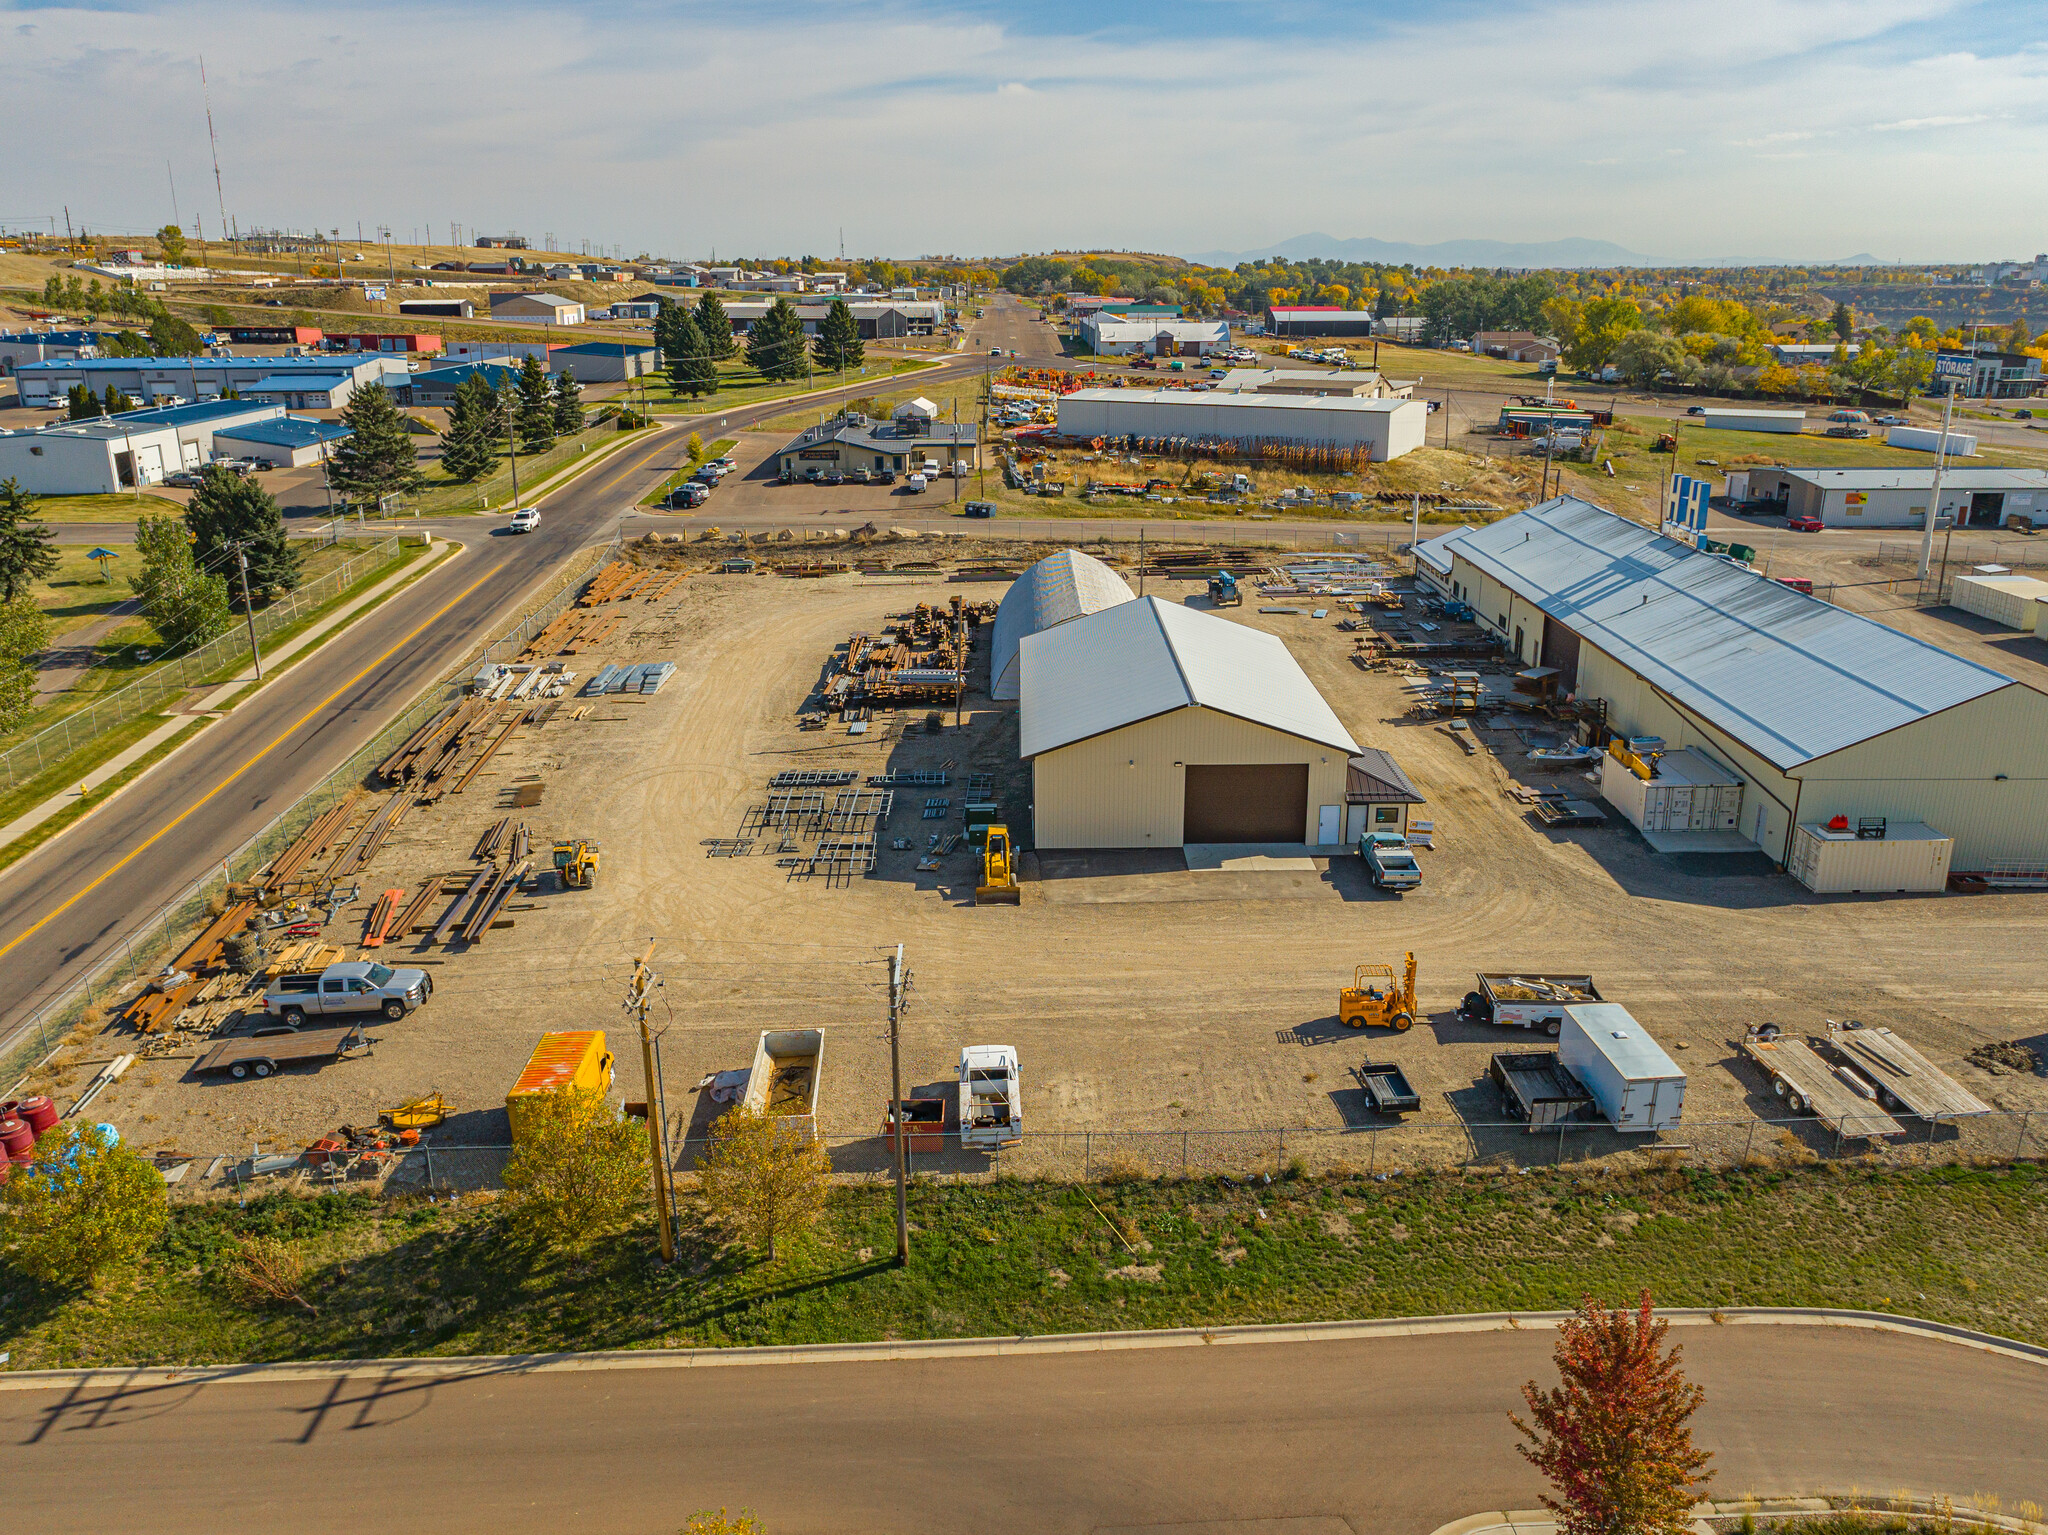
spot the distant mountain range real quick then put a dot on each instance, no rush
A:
(1493, 253)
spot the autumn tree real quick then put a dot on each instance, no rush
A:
(87, 1206)
(579, 1170)
(765, 1179)
(1613, 1437)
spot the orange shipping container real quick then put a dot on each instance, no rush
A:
(573, 1058)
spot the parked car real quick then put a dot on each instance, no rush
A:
(883, 477)
(727, 464)
(1894, 420)
(1848, 431)
(690, 495)
(353, 986)
(915, 484)
(2023, 415)
(857, 476)
(525, 520)
(1803, 524)
(184, 479)
(980, 509)
(1389, 860)
(834, 477)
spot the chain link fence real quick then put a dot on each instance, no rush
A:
(169, 679)
(1112, 1156)
(145, 948)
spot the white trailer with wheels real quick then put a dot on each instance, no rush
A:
(1637, 1087)
(1526, 999)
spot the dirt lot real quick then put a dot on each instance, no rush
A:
(1141, 996)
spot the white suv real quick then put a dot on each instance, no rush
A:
(525, 520)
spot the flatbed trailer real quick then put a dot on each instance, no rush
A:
(1904, 1077)
(262, 1054)
(1810, 1083)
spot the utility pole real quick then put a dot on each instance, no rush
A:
(896, 1102)
(657, 1131)
(249, 610)
(1415, 532)
(1934, 495)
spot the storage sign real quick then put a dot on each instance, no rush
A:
(1954, 367)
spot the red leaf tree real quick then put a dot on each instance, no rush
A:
(1613, 1438)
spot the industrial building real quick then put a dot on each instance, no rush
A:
(439, 308)
(536, 309)
(188, 379)
(1515, 346)
(1997, 375)
(303, 391)
(285, 442)
(113, 453)
(1975, 496)
(1110, 335)
(437, 386)
(605, 362)
(902, 445)
(1152, 725)
(18, 347)
(271, 335)
(1318, 320)
(417, 342)
(513, 352)
(1378, 796)
(1349, 383)
(877, 319)
(1815, 712)
(1383, 429)
(1059, 588)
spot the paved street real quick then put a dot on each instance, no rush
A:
(1391, 1436)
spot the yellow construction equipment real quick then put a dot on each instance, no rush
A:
(576, 861)
(998, 885)
(1376, 997)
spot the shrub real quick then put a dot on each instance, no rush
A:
(764, 1179)
(88, 1206)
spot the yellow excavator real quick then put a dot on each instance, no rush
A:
(998, 885)
(576, 861)
(1376, 997)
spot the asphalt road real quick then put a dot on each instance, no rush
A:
(1388, 1436)
(72, 901)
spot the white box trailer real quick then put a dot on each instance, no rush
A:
(2010, 601)
(1927, 439)
(784, 1080)
(1903, 856)
(1637, 1087)
(1788, 421)
(1691, 792)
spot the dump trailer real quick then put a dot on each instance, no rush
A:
(266, 1053)
(1526, 999)
(991, 1096)
(1837, 1094)
(783, 1083)
(1535, 1089)
(570, 1059)
(1637, 1086)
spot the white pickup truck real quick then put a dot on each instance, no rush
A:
(353, 986)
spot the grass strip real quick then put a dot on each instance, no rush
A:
(30, 840)
(65, 774)
(659, 494)
(401, 1276)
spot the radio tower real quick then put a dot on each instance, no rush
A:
(206, 94)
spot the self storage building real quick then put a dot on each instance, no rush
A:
(1815, 711)
(1148, 724)
(1383, 429)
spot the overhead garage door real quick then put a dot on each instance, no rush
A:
(1255, 802)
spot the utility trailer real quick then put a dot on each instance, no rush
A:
(1534, 1088)
(1387, 1088)
(1839, 1096)
(991, 1096)
(783, 1082)
(1526, 999)
(261, 1055)
(1638, 1088)
(1905, 1079)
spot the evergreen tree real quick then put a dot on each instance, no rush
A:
(27, 546)
(666, 313)
(171, 336)
(690, 368)
(185, 606)
(568, 404)
(230, 511)
(775, 343)
(117, 402)
(377, 459)
(85, 405)
(838, 345)
(713, 328)
(1844, 322)
(536, 408)
(53, 291)
(498, 423)
(468, 449)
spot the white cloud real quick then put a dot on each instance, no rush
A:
(1908, 123)
(680, 128)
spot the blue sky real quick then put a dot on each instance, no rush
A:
(1749, 128)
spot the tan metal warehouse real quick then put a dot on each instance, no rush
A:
(1148, 724)
(1818, 712)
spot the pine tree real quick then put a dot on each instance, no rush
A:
(468, 450)
(838, 346)
(184, 606)
(536, 409)
(85, 405)
(27, 546)
(690, 368)
(117, 402)
(171, 336)
(775, 343)
(713, 328)
(666, 313)
(230, 511)
(568, 404)
(377, 459)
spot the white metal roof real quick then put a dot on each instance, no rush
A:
(1436, 552)
(1906, 477)
(1145, 658)
(1789, 676)
(1217, 400)
(1061, 586)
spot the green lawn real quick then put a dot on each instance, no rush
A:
(116, 740)
(76, 592)
(125, 507)
(402, 1276)
(443, 495)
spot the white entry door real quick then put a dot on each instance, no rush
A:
(1329, 825)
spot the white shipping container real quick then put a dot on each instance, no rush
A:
(1927, 439)
(1788, 421)
(1636, 1085)
(1691, 792)
(1910, 857)
(2013, 602)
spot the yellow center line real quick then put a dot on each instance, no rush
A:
(282, 737)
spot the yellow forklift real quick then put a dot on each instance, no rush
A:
(998, 885)
(576, 861)
(1376, 997)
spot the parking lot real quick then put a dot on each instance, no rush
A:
(1142, 996)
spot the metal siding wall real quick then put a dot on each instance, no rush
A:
(1088, 794)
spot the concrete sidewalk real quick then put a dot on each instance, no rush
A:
(215, 704)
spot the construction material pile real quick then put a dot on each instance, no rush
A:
(922, 660)
(2007, 1055)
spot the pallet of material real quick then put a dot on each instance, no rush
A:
(1808, 1082)
(1903, 1074)
(606, 582)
